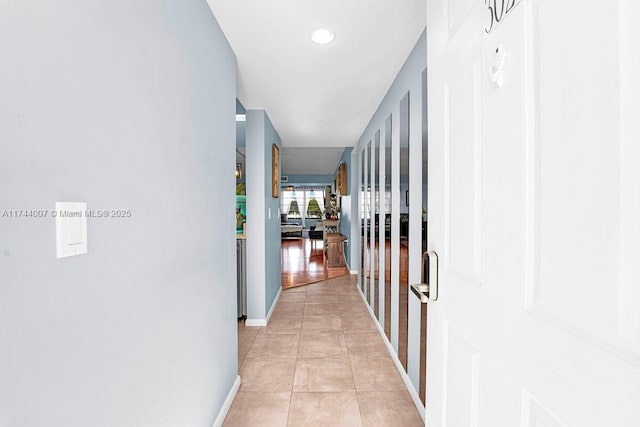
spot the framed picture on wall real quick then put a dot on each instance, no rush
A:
(275, 171)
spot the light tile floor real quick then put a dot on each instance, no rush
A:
(319, 362)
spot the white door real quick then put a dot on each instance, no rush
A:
(534, 210)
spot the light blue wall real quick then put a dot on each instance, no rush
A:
(263, 219)
(410, 72)
(241, 128)
(256, 214)
(272, 248)
(123, 105)
(239, 107)
(345, 205)
(409, 76)
(241, 137)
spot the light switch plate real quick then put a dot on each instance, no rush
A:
(71, 229)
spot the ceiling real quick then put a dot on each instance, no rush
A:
(318, 95)
(310, 161)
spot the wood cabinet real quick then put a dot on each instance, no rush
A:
(329, 226)
(335, 250)
(341, 180)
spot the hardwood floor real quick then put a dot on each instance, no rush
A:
(404, 260)
(303, 263)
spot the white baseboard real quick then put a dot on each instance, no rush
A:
(407, 381)
(227, 403)
(273, 306)
(349, 268)
(263, 322)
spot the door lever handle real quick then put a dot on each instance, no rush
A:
(421, 290)
(428, 290)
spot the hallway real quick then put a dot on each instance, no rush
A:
(319, 362)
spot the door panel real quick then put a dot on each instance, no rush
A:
(535, 414)
(456, 11)
(462, 373)
(560, 139)
(531, 192)
(463, 142)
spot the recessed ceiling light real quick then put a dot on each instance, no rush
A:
(322, 36)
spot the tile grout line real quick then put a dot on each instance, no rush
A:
(340, 332)
(353, 376)
(295, 368)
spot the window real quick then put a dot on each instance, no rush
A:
(307, 202)
(365, 201)
(289, 203)
(315, 206)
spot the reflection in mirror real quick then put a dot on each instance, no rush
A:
(403, 301)
(423, 307)
(375, 177)
(363, 222)
(368, 220)
(385, 226)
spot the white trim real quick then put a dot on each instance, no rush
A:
(407, 381)
(263, 322)
(349, 267)
(227, 402)
(273, 306)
